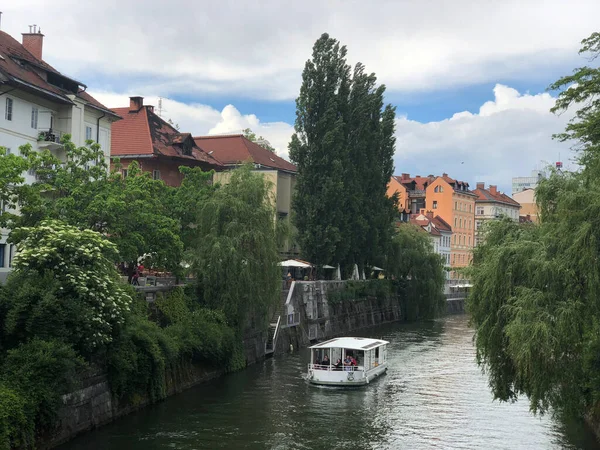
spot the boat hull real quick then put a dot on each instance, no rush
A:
(344, 378)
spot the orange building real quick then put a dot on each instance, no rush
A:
(411, 191)
(455, 203)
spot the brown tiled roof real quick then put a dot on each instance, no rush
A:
(424, 222)
(421, 183)
(486, 195)
(143, 132)
(19, 68)
(236, 149)
(441, 224)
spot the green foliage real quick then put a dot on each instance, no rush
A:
(343, 147)
(235, 257)
(64, 285)
(535, 298)
(16, 430)
(33, 377)
(418, 273)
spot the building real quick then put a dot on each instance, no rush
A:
(234, 150)
(410, 191)
(526, 199)
(492, 204)
(38, 105)
(158, 147)
(453, 201)
(439, 231)
(519, 184)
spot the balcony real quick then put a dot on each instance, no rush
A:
(415, 193)
(50, 140)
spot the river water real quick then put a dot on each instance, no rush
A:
(433, 396)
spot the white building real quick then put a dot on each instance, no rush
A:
(440, 233)
(521, 183)
(38, 105)
(492, 204)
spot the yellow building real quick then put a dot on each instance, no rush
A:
(233, 150)
(526, 199)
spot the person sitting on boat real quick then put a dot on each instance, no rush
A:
(338, 364)
(326, 361)
(347, 363)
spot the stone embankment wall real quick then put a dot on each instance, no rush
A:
(309, 316)
(93, 404)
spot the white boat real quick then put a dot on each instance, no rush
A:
(347, 361)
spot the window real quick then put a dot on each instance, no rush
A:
(435, 204)
(454, 239)
(469, 208)
(11, 254)
(469, 241)
(34, 118)
(455, 205)
(455, 222)
(479, 211)
(124, 173)
(2, 252)
(438, 189)
(9, 109)
(156, 175)
(7, 150)
(460, 223)
(470, 223)
(88, 133)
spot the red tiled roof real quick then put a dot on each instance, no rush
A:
(421, 183)
(486, 195)
(236, 149)
(143, 132)
(23, 70)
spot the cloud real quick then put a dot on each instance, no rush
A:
(200, 48)
(510, 136)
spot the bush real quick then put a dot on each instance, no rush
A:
(16, 430)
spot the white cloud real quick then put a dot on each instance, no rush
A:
(200, 47)
(509, 136)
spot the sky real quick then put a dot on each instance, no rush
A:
(468, 77)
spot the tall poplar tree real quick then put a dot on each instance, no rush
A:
(343, 146)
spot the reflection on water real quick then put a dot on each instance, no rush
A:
(433, 396)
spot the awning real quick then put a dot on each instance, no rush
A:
(375, 268)
(294, 263)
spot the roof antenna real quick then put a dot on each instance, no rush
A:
(0, 20)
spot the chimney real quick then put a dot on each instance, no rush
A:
(150, 108)
(444, 174)
(429, 214)
(405, 176)
(135, 103)
(493, 189)
(480, 185)
(33, 41)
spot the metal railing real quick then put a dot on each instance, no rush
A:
(332, 368)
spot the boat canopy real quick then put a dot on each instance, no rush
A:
(351, 343)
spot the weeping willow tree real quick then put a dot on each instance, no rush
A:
(536, 297)
(235, 253)
(418, 273)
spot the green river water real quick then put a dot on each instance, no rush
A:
(433, 397)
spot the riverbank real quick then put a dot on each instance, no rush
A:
(310, 311)
(434, 395)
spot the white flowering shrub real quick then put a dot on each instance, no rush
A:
(81, 263)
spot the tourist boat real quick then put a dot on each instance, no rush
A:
(362, 359)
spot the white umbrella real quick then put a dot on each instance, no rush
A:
(328, 267)
(294, 263)
(338, 273)
(375, 268)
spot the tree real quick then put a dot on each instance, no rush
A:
(318, 148)
(535, 298)
(235, 255)
(251, 136)
(343, 147)
(417, 271)
(64, 285)
(12, 168)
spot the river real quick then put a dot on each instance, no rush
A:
(433, 396)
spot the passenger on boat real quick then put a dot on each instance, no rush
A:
(338, 364)
(325, 361)
(347, 363)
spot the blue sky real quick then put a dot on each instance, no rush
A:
(468, 78)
